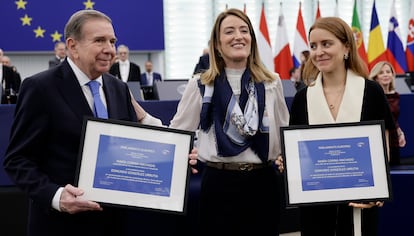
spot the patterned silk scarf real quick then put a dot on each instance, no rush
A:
(235, 130)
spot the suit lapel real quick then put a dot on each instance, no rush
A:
(130, 72)
(110, 92)
(71, 91)
(118, 71)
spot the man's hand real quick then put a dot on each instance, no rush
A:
(72, 202)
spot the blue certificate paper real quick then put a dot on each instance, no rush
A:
(333, 163)
(130, 165)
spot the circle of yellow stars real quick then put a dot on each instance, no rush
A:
(39, 32)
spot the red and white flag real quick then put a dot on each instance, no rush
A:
(301, 41)
(283, 59)
(318, 13)
(263, 43)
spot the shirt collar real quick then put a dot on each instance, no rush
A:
(82, 78)
(126, 62)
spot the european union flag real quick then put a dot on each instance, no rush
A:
(36, 25)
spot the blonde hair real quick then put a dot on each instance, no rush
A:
(258, 71)
(375, 71)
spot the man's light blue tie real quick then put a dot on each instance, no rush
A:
(100, 110)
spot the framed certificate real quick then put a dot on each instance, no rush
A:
(336, 163)
(131, 165)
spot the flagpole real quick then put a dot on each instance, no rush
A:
(357, 221)
(336, 13)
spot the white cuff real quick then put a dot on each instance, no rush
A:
(56, 199)
(150, 120)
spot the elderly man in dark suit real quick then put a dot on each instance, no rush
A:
(124, 69)
(10, 83)
(42, 155)
(60, 54)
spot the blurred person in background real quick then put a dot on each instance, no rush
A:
(203, 62)
(123, 68)
(295, 78)
(60, 54)
(149, 76)
(383, 72)
(10, 81)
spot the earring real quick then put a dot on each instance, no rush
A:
(346, 56)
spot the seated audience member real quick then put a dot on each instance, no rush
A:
(304, 56)
(383, 72)
(10, 82)
(7, 62)
(149, 76)
(147, 81)
(60, 54)
(203, 62)
(295, 78)
(123, 68)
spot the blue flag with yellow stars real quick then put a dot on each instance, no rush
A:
(36, 25)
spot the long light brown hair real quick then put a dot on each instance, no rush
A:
(342, 31)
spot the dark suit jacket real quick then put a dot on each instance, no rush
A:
(134, 71)
(155, 77)
(12, 82)
(45, 139)
(54, 62)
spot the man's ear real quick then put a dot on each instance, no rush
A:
(71, 46)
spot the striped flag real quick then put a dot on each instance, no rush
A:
(395, 48)
(409, 51)
(283, 59)
(376, 49)
(318, 13)
(263, 43)
(359, 38)
(301, 41)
